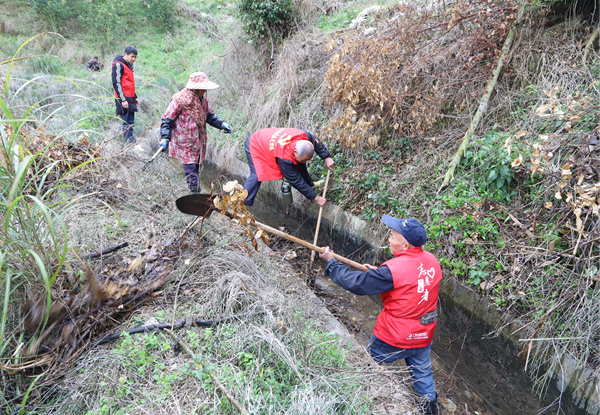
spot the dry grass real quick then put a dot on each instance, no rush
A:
(288, 338)
(287, 346)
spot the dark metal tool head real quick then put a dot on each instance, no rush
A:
(197, 204)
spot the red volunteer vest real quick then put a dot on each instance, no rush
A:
(417, 275)
(127, 81)
(270, 143)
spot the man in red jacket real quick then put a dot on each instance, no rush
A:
(409, 286)
(275, 153)
(124, 85)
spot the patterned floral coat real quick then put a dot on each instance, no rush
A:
(188, 139)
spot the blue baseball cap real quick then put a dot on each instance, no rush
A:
(412, 230)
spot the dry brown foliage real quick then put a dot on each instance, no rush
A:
(414, 66)
(232, 204)
(54, 155)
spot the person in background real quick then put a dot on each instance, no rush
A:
(276, 153)
(93, 65)
(183, 125)
(126, 99)
(409, 287)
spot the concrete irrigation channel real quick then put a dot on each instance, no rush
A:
(478, 372)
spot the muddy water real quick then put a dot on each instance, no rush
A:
(477, 374)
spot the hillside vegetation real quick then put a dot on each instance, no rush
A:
(392, 96)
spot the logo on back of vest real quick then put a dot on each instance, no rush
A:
(417, 336)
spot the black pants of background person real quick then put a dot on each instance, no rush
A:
(128, 118)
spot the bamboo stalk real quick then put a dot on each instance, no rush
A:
(484, 101)
(214, 377)
(312, 255)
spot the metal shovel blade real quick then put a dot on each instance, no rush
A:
(197, 204)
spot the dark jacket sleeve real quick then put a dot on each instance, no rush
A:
(292, 175)
(166, 127)
(320, 148)
(214, 120)
(373, 281)
(117, 74)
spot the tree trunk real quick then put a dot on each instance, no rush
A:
(484, 101)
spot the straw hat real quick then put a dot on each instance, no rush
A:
(199, 80)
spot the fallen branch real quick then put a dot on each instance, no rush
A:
(189, 321)
(484, 101)
(105, 251)
(518, 223)
(214, 377)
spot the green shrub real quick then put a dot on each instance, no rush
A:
(491, 162)
(266, 20)
(161, 13)
(105, 18)
(54, 12)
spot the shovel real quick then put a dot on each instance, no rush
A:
(202, 205)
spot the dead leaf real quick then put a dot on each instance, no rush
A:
(579, 222)
(136, 263)
(230, 186)
(521, 133)
(517, 162)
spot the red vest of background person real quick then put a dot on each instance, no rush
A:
(270, 143)
(417, 275)
(127, 81)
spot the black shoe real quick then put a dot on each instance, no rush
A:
(432, 407)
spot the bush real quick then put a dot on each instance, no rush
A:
(492, 164)
(161, 12)
(54, 12)
(266, 20)
(104, 17)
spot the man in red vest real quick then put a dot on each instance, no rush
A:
(409, 286)
(124, 86)
(275, 153)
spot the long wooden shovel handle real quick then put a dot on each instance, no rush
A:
(312, 255)
(309, 245)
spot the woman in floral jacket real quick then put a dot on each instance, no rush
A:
(183, 125)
